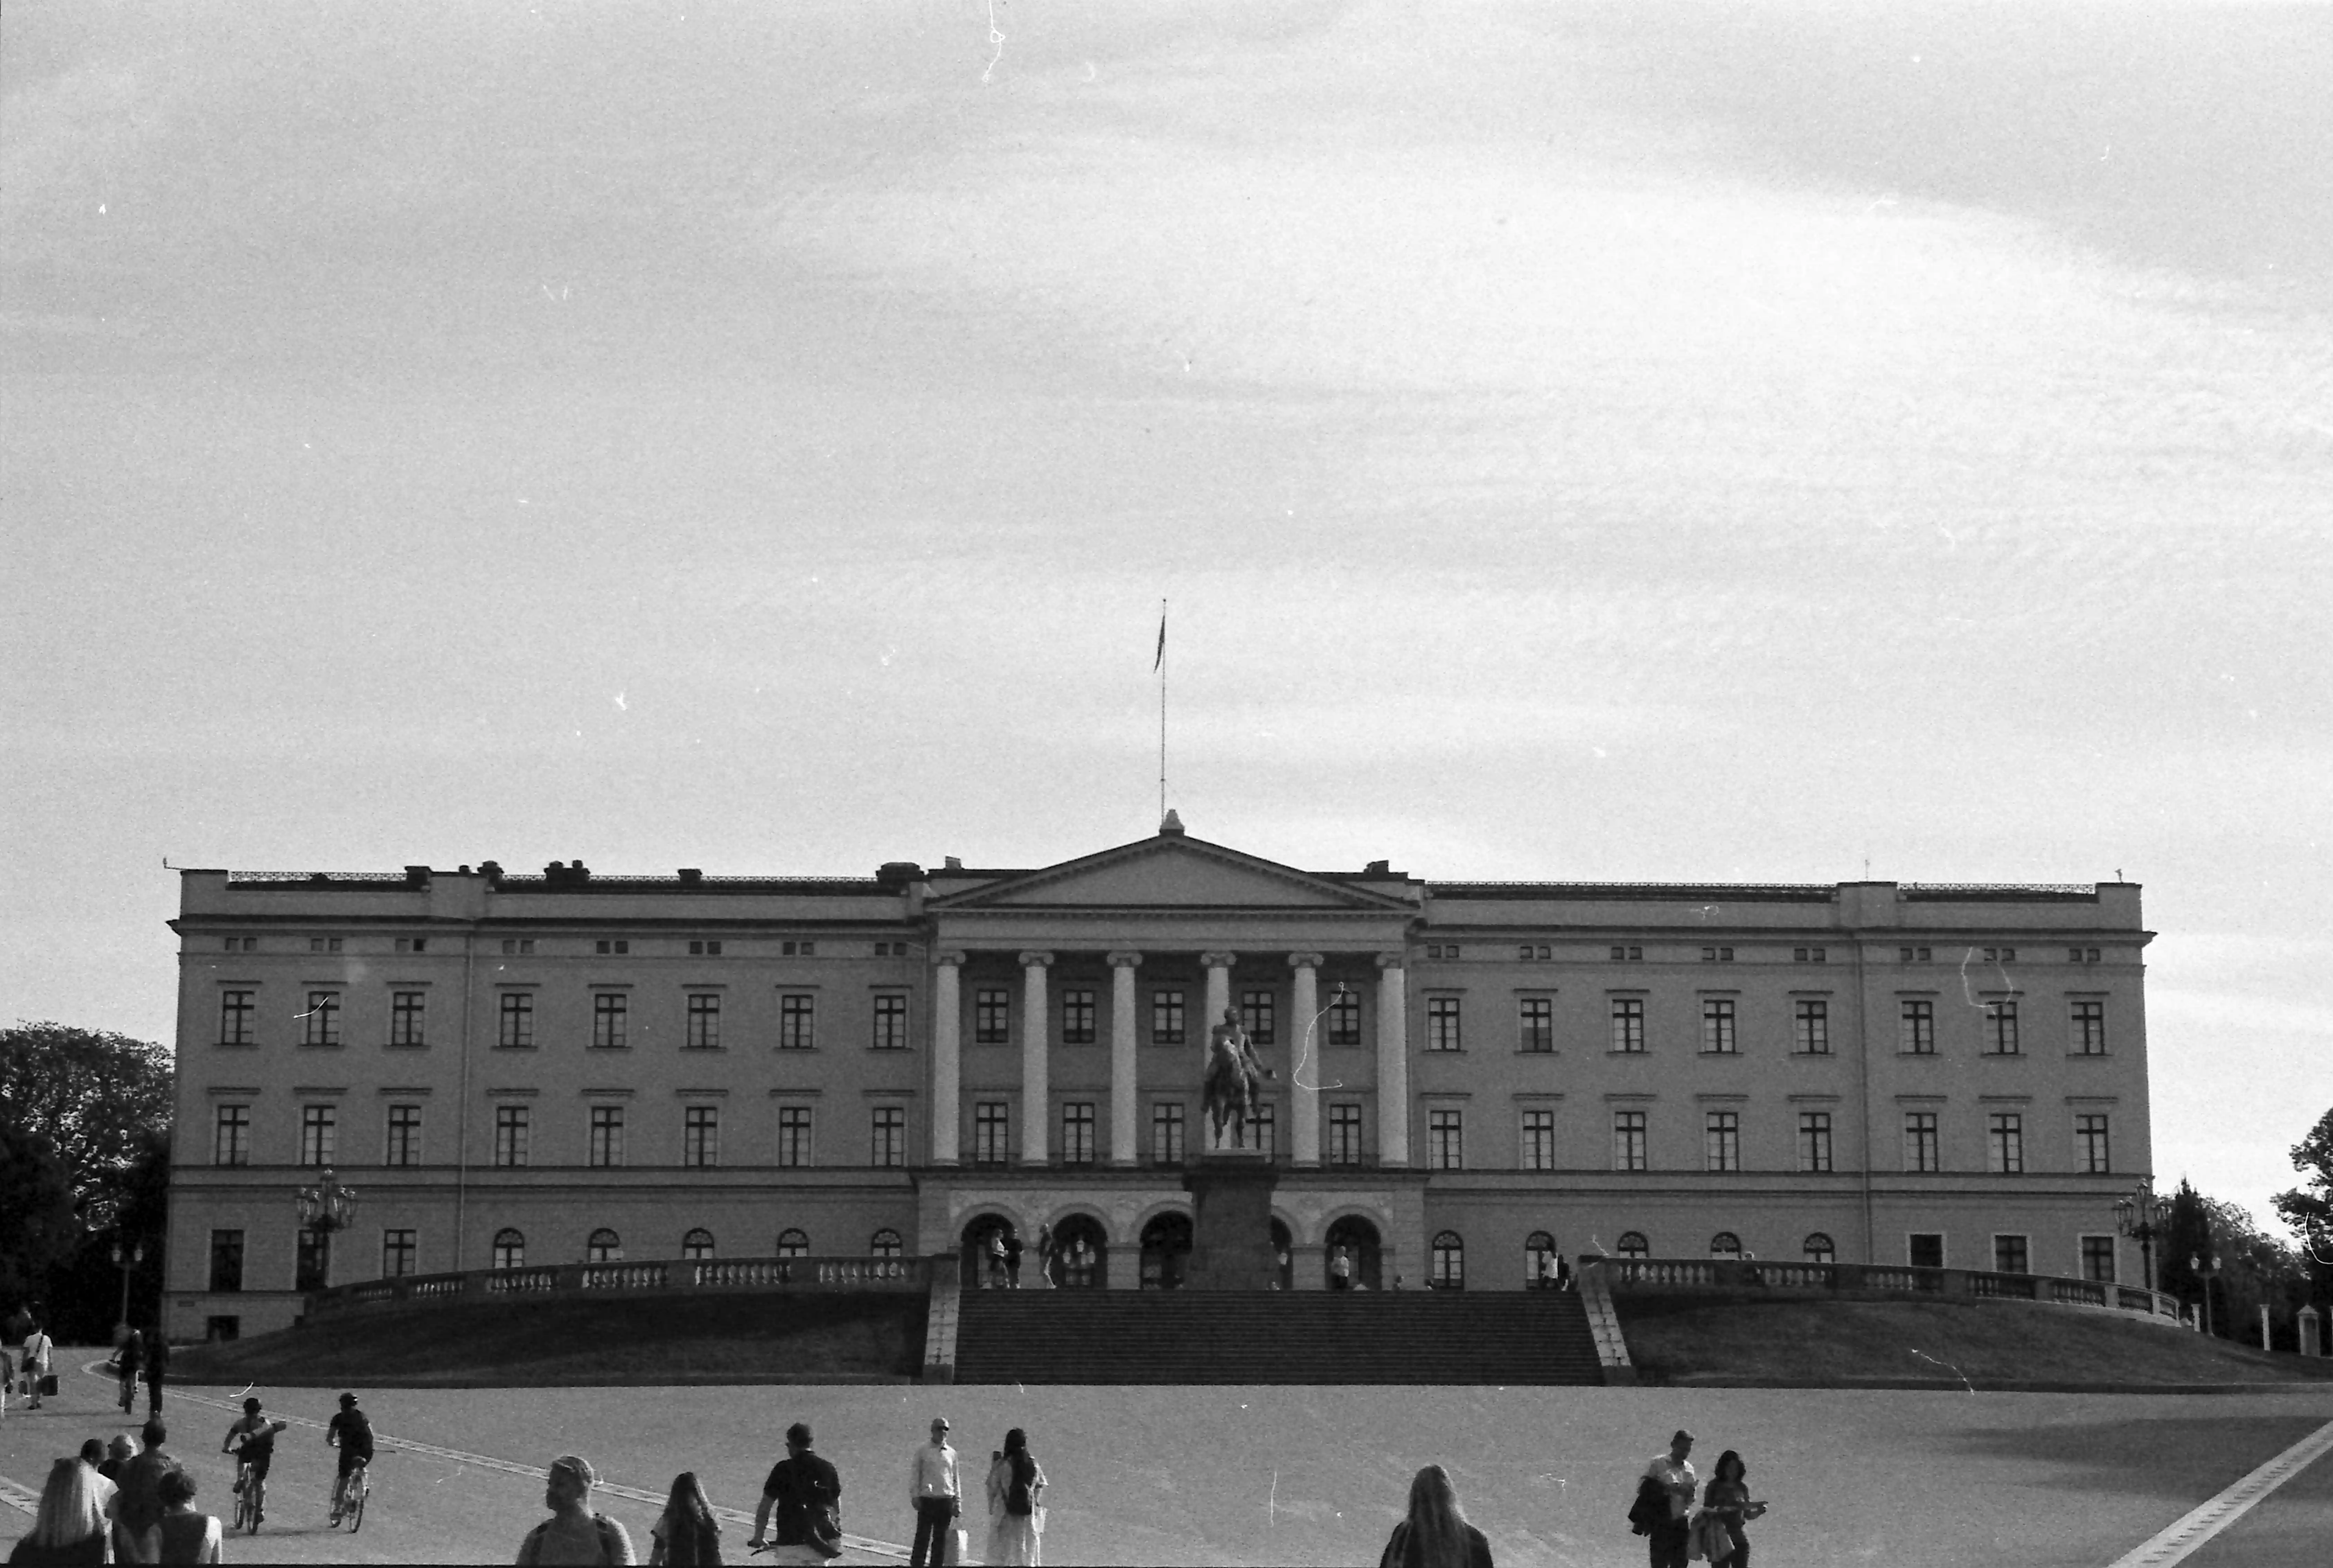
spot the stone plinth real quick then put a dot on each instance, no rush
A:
(1231, 1221)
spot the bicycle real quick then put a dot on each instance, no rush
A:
(250, 1499)
(349, 1494)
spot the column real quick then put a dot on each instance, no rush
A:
(947, 1070)
(1123, 1105)
(1303, 1060)
(1393, 1062)
(1036, 1026)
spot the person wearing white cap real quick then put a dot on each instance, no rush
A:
(933, 1491)
(574, 1534)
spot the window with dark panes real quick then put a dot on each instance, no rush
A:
(1537, 1024)
(888, 1137)
(1810, 1026)
(318, 1129)
(992, 1131)
(1717, 1025)
(235, 1012)
(1722, 1140)
(704, 1022)
(1916, 1027)
(1920, 1153)
(1258, 1016)
(2000, 1027)
(1078, 1016)
(231, 1135)
(321, 1021)
(1629, 1140)
(1445, 1140)
(1166, 1019)
(400, 1253)
(2090, 1028)
(797, 1021)
(1539, 1139)
(1814, 1140)
(511, 1129)
(607, 1145)
(2091, 1147)
(992, 1015)
(227, 1261)
(610, 1020)
(793, 1135)
(517, 1024)
(1442, 1024)
(700, 1137)
(1628, 1024)
(407, 1017)
(1344, 1134)
(1077, 1133)
(403, 1145)
(312, 1258)
(1345, 1018)
(1167, 1132)
(890, 1021)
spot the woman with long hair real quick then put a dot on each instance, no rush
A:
(1727, 1497)
(1435, 1534)
(70, 1526)
(1017, 1509)
(688, 1532)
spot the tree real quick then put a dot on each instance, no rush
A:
(38, 1230)
(2309, 1208)
(95, 1097)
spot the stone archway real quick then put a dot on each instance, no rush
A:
(1362, 1244)
(1283, 1255)
(972, 1247)
(1166, 1251)
(1081, 1253)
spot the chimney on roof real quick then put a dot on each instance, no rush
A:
(899, 873)
(952, 863)
(1378, 868)
(417, 877)
(491, 870)
(690, 875)
(1172, 825)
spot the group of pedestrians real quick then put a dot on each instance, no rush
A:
(1663, 1509)
(108, 1505)
(30, 1373)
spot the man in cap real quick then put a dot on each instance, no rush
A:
(350, 1432)
(574, 1534)
(1672, 1475)
(806, 1492)
(933, 1492)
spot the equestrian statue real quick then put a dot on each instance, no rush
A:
(1234, 1079)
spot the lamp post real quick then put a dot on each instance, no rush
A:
(325, 1208)
(2205, 1272)
(2138, 1214)
(136, 1256)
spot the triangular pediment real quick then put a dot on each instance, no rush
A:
(1171, 872)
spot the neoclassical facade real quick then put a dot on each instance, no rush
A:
(563, 1066)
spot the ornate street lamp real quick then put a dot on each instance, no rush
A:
(2205, 1273)
(137, 1255)
(2139, 1214)
(325, 1208)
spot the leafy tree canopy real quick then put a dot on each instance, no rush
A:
(37, 1227)
(2309, 1208)
(96, 1097)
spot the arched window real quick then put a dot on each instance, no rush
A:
(1449, 1267)
(793, 1243)
(510, 1250)
(605, 1246)
(1819, 1248)
(1725, 1244)
(1539, 1253)
(1634, 1245)
(697, 1246)
(884, 1244)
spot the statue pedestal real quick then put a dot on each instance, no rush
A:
(1231, 1221)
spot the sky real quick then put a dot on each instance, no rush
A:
(1588, 441)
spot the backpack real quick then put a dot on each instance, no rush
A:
(611, 1542)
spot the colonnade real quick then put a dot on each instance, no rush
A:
(1036, 1044)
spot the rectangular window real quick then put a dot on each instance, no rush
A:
(1257, 1016)
(615, 945)
(235, 1010)
(1717, 1025)
(1925, 1249)
(1077, 1017)
(1627, 955)
(1810, 1026)
(1345, 1018)
(1536, 1024)
(1920, 1151)
(518, 944)
(1442, 1023)
(2011, 1255)
(400, 1253)
(310, 1258)
(793, 1136)
(701, 948)
(887, 1136)
(700, 1137)
(704, 1022)
(1166, 1019)
(510, 1134)
(607, 1148)
(1629, 1140)
(1628, 1024)
(1810, 955)
(890, 1021)
(317, 1128)
(1344, 1134)
(2098, 1259)
(1264, 1126)
(1539, 1139)
(2000, 1027)
(992, 1015)
(611, 1017)
(1446, 1143)
(1722, 1140)
(516, 1032)
(1911, 954)
(227, 1261)
(406, 1017)
(332, 944)
(1167, 1132)
(1717, 955)
(2090, 1145)
(404, 1143)
(992, 1131)
(2090, 1028)
(797, 1021)
(1814, 1140)
(1077, 1133)
(231, 1135)
(2005, 1137)
(321, 1021)
(1916, 1027)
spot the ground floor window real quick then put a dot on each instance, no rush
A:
(1819, 1248)
(2011, 1255)
(399, 1253)
(1538, 1257)
(2098, 1259)
(510, 1250)
(605, 1246)
(1633, 1244)
(1924, 1248)
(697, 1246)
(793, 1243)
(1725, 1244)
(886, 1244)
(1449, 1262)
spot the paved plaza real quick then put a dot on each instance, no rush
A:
(1289, 1475)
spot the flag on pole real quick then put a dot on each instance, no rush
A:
(1160, 661)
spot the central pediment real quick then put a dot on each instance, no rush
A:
(1173, 871)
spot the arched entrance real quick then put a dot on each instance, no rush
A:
(1283, 1255)
(1359, 1239)
(972, 1252)
(1166, 1251)
(1081, 1253)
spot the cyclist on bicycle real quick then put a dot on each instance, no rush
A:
(350, 1432)
(253, 1438)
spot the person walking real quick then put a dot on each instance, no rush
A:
(934, 1494)
(8, 1378)
(138, 1510)
(1044, 1258)
(1011, 1261)
(1016, 1508)
(807, 1496)
(1341, 1269)
(1435, 1534)
(186, 1535)
(575, 1533)
(130, 1361)
(1727, 1499)
(158, 1363)
(1672, 1474)
(38, 1349)
(687, 1532)
(994, 1253)
(69, 1525)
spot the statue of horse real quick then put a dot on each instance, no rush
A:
(1232, 1079)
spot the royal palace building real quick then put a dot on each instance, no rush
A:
(563, 1068)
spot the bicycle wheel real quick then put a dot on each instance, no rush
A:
(256, 1495)
(243, 1509)
(356, 1511)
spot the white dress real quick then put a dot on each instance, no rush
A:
(1013, 1538)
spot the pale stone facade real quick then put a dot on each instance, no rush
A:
(529, 1067)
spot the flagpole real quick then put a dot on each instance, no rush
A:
(1162, 710)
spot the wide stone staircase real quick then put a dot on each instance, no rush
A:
(1191, 1336)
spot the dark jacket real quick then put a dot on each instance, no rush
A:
(1401, 1552)
(804, 1488)
(141, 1505)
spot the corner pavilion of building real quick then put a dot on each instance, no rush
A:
(565, 1066)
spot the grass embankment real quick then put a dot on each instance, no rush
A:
(1754, 1342)
(683, 1339)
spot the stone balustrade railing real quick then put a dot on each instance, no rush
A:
(788, 1274)
(1626, 1276)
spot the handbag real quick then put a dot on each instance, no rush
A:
(48, 1385)
(826, 1531)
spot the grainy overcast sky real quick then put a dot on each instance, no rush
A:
(1591, 441)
